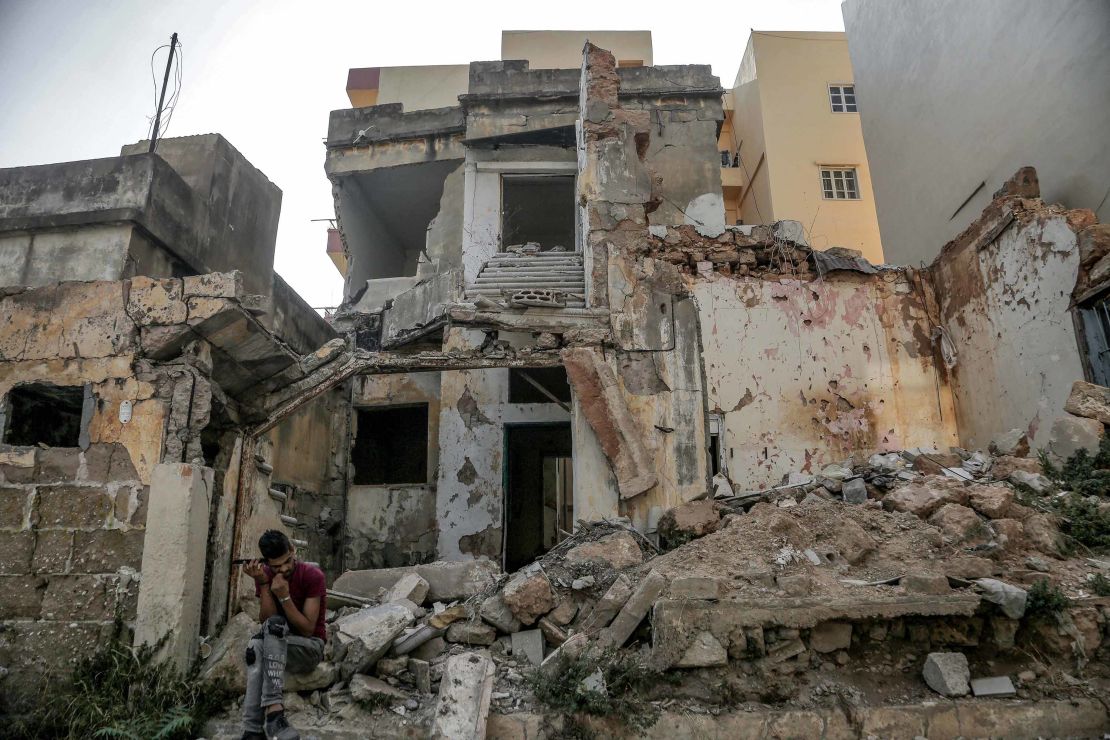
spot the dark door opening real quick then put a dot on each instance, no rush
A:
(538, 485)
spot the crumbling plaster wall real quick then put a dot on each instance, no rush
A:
(1005, 304)
(474, 410)
(392, 525)
(807, 372)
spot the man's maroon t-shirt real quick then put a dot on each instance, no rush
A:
(306, 581)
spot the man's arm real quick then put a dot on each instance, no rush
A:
(267, 606)
(303, 624)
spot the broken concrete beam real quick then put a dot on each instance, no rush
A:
(408, 643)
(947, 673)
(464, 695)
(599, 396)
(618, 550)
(410, 586)
(529, 595)
(605, 609)
(447, 581)
(367, 634)
(634, 610)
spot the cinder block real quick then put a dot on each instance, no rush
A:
(13, 506)
(53, 548)
(107, 550)
(15, 553)
(58, 507)
(22, 597)
(79, 597)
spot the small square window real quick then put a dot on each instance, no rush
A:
(839, 184)
(391, 446)
(45, 414)
(842, 98)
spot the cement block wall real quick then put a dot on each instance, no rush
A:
(72, 527)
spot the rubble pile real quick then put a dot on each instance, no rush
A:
(900, 576)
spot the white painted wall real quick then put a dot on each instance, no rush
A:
(954, 93)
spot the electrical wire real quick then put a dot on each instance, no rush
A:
(165, 114)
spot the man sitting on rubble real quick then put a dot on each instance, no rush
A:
(293, 598)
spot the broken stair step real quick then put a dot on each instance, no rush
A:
(279, 496)
(300, 544)
(528, 271)
(289, 521)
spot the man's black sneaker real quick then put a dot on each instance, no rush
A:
(253, 736)
(278, 728)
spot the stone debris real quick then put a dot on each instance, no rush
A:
(410, 587)
(464, 695)
(363, 637)
(528, 595)
(947, 674)
(619, 550)
(994, 686)
(529, 644)
(1010, 599)
(854, 491)
(689, 521)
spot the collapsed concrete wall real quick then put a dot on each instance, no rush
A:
(1004, 291)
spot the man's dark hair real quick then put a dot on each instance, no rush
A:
(273, 544)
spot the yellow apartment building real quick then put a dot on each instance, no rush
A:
(792, 146)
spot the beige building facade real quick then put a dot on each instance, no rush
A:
(794, 143)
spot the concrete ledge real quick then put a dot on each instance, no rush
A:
(390, 122)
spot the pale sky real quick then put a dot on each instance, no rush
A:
(75, 76)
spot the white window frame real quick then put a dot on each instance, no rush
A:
(842, 97)
(839, 182)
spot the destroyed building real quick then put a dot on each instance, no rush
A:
(546, 323)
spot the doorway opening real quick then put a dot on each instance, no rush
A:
(539, 503)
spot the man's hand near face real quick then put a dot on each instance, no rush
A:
(279, 587)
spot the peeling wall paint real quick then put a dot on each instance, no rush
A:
(474, 410)
(1006, 309)
(807, 373)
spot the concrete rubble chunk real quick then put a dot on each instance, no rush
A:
(991, 501)
(1089, 400)
(634, 611)
(609, 604)
(1070, 434)
(447, 580)
(421, 675)
(1014, 443)
(366, 635)
(923, 499)
(1010, 599)
(618, 550)
(227, 659)
(430, 649)
(368, 688)
(1043, 534)
(553, 633)
(528, 644)
(320, 677)
(689, 521)
(784, 650)
(564, 613)
(851, 540)
(595, 682)
(828, 637)
(695, 587)
(925, 583)
(464, 695)
(993, 686)
(854, 491)
(495, 611)
(529, 595)
(410, 586)
(469, 632)
(704, 651)
(1034, 481)
(1005, 465)
(960, 524)
(947, 674)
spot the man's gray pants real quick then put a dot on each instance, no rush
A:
(269, 654)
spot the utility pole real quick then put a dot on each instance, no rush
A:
(162, 96)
